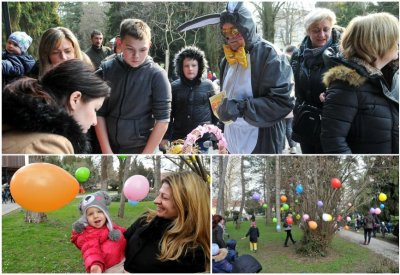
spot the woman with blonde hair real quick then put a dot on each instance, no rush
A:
(308, 67)
(58, 45)
(174, 238)
(361, 112)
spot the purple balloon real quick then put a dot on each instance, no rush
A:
(320, 203)
(372, 210)
(256, 197)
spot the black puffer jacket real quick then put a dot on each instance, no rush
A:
(190, 107)
(190, 98)
(360, 114)
(143, 248)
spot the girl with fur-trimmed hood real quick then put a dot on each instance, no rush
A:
(190, 95)
(361, 112)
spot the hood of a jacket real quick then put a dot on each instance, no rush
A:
(31, 114)
(223, 252)
(120, 59)
(196, 54)
(241, 17)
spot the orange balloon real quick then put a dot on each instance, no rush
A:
(283, 198)
(312, 225)
(43, 187)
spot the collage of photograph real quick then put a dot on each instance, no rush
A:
(200, 137)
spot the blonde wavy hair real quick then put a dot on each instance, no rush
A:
(371, 36)
(50, 40)
(191, 228)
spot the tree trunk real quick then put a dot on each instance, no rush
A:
(157, 173)
(104, 173)
(35, 217)
(277, 193)
(267, 190)
(243, 191)
(223, 163)
(121, 210)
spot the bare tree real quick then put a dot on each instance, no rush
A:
(104, 172)
(223, 163)
(157, 172)
(126, 171)
(278, 191)
(242, 178)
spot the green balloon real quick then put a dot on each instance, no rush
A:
(265, 205)
(274, 220)
(122, 157)
(285, 206)
(82, 174)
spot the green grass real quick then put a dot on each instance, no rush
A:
(342, 257)
(46, 247)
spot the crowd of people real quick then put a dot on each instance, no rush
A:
(337, 92)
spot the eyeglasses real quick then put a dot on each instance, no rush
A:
(231, 32)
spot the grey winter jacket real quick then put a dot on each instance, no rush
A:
(271, 81)
(139, 97)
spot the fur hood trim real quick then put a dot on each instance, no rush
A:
(192, 53)
(355, 72)
(223, 252)
(345, 74)
(30, 114)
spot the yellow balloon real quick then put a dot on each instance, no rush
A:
(208, 178)
(312, 225)
(382, 197)
(43, 187)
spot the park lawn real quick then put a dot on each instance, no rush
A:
(46, 247)
(343, 256)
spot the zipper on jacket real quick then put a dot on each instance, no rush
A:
(120, 108)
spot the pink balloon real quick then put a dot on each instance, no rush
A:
(136, 188)
(378, 211)
(306, 217)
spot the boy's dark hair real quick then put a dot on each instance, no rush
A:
(95, 32)
(136, 28)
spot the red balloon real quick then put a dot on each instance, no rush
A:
(289, 220)
(339, 218)
(336, 183)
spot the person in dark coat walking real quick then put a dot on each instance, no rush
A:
(253, 234)
(287, 226)
(369, 224)
(361, 112)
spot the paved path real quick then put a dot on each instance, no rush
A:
(386, 249)
(8, 207)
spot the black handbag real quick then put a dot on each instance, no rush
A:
(307, 124)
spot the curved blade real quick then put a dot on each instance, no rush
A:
(199, 22)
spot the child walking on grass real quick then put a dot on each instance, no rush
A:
(253, 234)
(100, 241)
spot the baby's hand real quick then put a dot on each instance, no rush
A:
(95, 269)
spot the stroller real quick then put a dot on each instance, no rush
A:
(246, 264)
